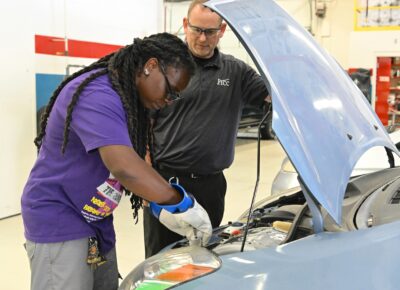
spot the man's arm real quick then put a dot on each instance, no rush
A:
(255, 89)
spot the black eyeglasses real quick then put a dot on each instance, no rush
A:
(208, 32)
(171, 94)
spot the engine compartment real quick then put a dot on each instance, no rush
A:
(269, 226)
(370, 200)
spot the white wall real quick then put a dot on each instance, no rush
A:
(17, 113)
(364, 47)
(331, 31)
(115, 22)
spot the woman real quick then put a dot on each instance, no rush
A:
(92, 143)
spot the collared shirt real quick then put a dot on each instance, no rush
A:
(197, 133)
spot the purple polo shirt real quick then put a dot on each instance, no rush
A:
(72, 196)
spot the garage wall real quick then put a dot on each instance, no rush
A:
(330, 31)
(353, 49)
(333, 31)
(16, 101)
(27, 74)
(366, 46)
(372, 44)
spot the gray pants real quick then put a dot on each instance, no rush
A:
(62, 266)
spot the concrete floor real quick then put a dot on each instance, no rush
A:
(241, 177)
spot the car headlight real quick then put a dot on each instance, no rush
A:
(170, 268)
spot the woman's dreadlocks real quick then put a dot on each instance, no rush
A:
(122, 67)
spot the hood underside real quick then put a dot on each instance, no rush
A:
(320, 117)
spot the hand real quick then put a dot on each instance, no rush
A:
(187, 218)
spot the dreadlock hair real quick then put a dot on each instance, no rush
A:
(122, 67)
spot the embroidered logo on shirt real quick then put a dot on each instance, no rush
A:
(224, 82)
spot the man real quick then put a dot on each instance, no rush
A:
(194, 138)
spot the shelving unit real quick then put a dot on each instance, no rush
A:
(388, 90)
(394, 91)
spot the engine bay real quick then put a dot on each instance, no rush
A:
(286, 217)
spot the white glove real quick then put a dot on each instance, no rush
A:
(187, 218)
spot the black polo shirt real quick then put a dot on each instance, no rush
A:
(197, 133)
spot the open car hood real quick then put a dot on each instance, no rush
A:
(320, 117)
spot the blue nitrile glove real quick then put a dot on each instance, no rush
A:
(187, 218)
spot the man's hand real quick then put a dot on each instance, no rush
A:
(187, 218)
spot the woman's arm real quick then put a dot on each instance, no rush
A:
(136, 175)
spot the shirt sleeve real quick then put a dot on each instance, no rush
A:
(99, 120)
(254, 87)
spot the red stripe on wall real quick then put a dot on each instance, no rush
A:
(79, 48)
(49, 45)
(76, 48)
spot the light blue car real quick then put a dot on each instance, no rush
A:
(336, 231)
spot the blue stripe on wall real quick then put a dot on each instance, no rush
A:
(45, 86)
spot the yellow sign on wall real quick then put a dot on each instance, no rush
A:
(376, 15)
